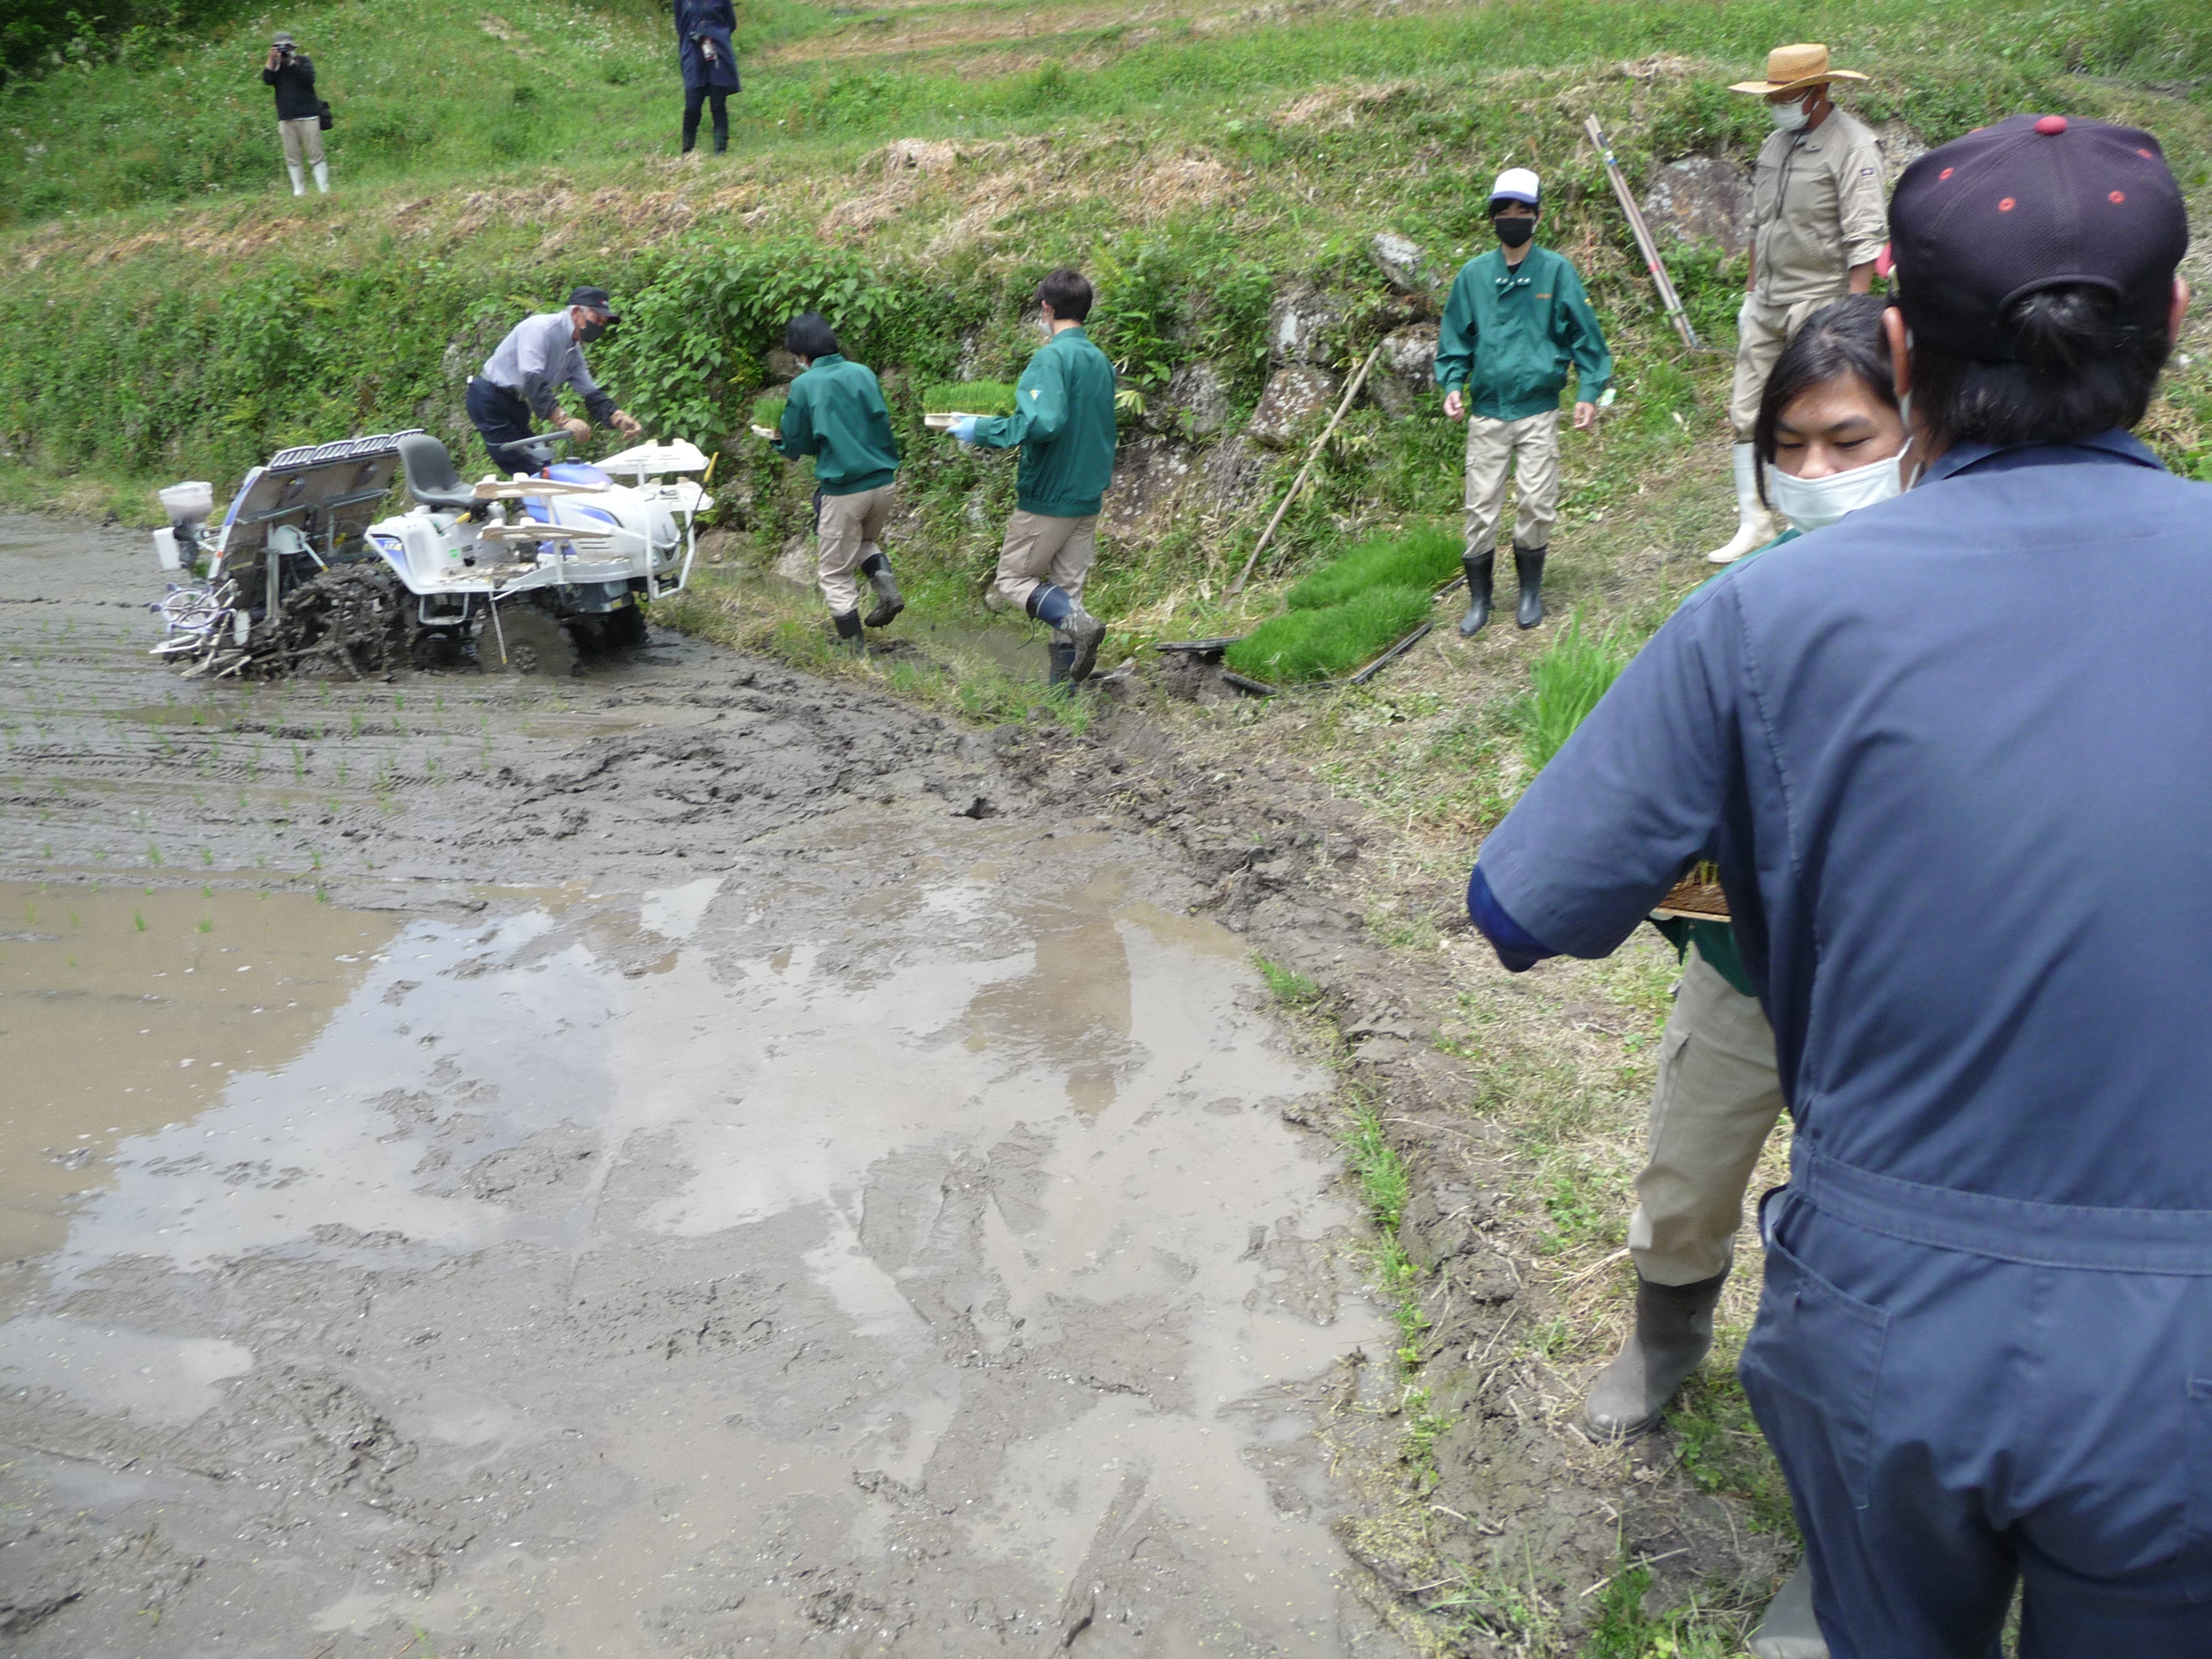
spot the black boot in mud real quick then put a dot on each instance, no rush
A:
(1789, 1630)
(1480, 574)
(1674, 1331)
(849, 632)
(889, 600)
(1528, 564)
(1059, 660)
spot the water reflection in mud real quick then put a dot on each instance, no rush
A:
(894, 1238)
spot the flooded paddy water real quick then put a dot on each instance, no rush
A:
(699, 1170)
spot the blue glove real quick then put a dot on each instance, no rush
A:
(963, 429)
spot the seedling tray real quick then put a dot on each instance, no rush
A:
(1693, 898)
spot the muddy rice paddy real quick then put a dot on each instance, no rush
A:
(690, 1160)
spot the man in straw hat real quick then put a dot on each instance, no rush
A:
(1817, 219)
(1960, 830)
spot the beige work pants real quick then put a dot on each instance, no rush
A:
(850, 532)
(1039, 550)
(1717, 1101)
(1530, 446)
(1761, 331)
(303, 140)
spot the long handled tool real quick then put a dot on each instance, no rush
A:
(1299, 482)
(1644, 245)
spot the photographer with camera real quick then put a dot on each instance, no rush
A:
(299, 112)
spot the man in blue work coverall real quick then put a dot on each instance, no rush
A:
(1959, 801)
(1063, 420)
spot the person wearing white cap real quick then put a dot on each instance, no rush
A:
(1819, 216)
(1517, 317)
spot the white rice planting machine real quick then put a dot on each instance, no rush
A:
(513, 572)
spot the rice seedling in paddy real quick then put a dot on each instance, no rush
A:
(1565, 683)
(969, 398)
(1419, 557)
(1318, 645)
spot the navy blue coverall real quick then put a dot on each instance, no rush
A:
(1954, 758)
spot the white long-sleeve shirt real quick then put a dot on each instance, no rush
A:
(540, 355)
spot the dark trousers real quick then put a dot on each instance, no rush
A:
(693, 98)
(501, 418)
(1969, 1393)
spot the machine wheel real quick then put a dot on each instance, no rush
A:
(536, 643)
(625, 627)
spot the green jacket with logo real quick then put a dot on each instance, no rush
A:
(1511, 332)
(836, 414)
(1063, 420)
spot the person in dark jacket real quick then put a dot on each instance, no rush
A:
(835, 413)
(299, 112)
(710, 66)
(1063, 422)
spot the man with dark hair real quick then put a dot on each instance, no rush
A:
(1960, 827)
(1064, 422)
(1816, 209)
(299, 110)
(524, 377)
(835, 413)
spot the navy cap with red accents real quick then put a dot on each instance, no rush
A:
(2034, 202)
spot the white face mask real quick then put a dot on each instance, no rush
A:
(1789, 117)
(1813, 504)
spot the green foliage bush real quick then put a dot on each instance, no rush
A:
(969, 398)
(1320, 645)
(1565, 683)
(1419, 557)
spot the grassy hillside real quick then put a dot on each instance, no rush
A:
(427, 94)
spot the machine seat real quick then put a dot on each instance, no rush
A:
(430, 476)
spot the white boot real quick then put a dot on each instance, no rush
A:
(323, 177)
(1755, 525)
(298, 184)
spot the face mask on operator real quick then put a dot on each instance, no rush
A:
(1813, 504)
(592, 329)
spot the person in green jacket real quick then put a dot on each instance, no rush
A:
(836, 414)
(1064, 422)
(1517, 317)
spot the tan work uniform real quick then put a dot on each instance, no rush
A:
(1818, 207)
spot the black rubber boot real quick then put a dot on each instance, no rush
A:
(1674, 1333)
(889, 600)
(1060, 659)
(849, 632)
(1789, 1630)
(1528, 564)
(1479, 572)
